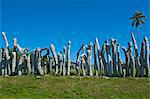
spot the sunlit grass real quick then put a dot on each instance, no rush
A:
(74, 87)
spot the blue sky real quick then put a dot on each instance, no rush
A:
(38, 23)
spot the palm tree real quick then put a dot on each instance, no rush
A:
(137, 20)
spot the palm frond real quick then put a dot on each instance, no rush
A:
(142, 21)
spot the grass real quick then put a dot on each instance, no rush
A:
(74, 87)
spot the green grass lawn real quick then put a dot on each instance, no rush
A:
(74, 87)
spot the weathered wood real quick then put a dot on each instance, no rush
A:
(120, 70)
(89, 58)
(39, 68)
(13, 62)
(103, 59)
(129, 51)
(113, 44)
(127, 61)
(1, 60)
(101, 64)
(52, 47)
(142, 59)
(95, 59)
(132, 69)
(109, 60)
(34, 62)
(137, 60)
(68, 58)
(78, 58)
(64, 60)
(28, 64)
(5, 39)
(7, 70)
(82, 66)
(147, 58)
(60, 60)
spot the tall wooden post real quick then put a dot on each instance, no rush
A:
(114, 43)
(82, 66)
(127, 61)
(137, 60)
(64, 61)
(119, 61)
(52, 47)
(109, 60)
(39, 61)
(147, 56)
(142, 58)
(95, 59)
(13, 62)
(68, 58)
(103, 59)
(60, 60)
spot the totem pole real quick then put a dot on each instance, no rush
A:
(68, 58)
(6, 64)
(142, 58)
(64, 61)
(137, 60)
(78, 58)
(52, 47)
(89, 59)
(113, 44)
(103, 63)
(127, 61)
(24, 54)
(119, 61)
(60, 62)
(147, 56)
(109, 60)
(82, 65)
(95, 57)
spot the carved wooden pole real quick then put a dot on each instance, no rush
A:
(78, 58)
(132, 62)
(1, 60)
(39, 61)
(6, 51)
(114, 43)
(5, 39)
(28, 64)
(103, 59)
(89, 59)
(95, 60)
(101, 65)
(52, 47)
(132, 70)
(129, 51)
(64, 61)
(13, 62)
(137, 60)
(109, 60)
(82, 66)
(7, 65)
(142, 58)
(34, 62)
(50, 65)
(147, 56)
(68, 58)
(119, 61)
(60, 62)
(127, 61)
(19, 67)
